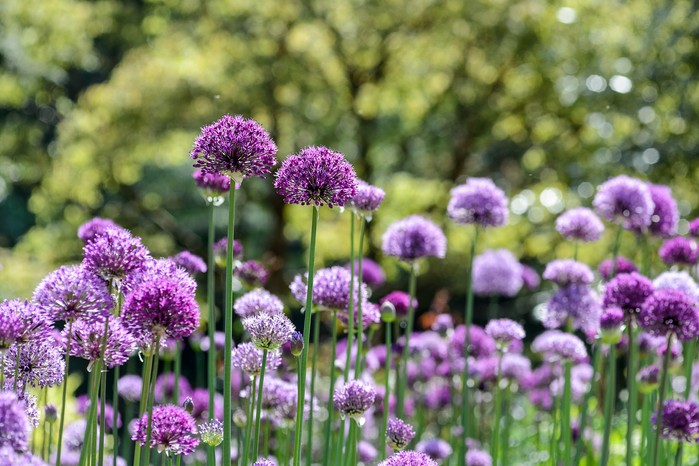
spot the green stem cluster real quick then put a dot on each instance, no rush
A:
(228, 328)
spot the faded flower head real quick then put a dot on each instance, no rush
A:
(269, 331)
(95, 227)
(414, 237)
(670, 311)
(10, 326)
(564, 272)
(192, 263)
(354, 399)
(408, 458)
(331, 289)
(681, 281)
(530, 279)
(372, 273)
(316, 176)
(577, 304)
(680, 421)
(258, 301)
(476, 457)
(580, 224)
(129, 387)
(626, 201)
(679, 250)
(114, 254)
(398, 434)
(478, 201)
(172, 430)
(504, 331)
(221, 249)
(367, 199)
(435, 448)
(251, 273)
(496, 273)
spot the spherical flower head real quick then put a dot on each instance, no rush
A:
(482, 345)
(479, 202)
(398, 434)
(496, 273)
(681, 281)
(627, 291)
(212, 185)
(665, 215)
(258, 301)
(372, 273)
(72, 292)
(623, 265)
(87, 338)
(576, 304)
(556, 345)
(211, 432)
(367, 199)
(129, 387)
(580, 224)
(247, 357)
(530, 279)
(11, 326)
(14, 424)
(516, 367)
(408, 458)
(564, 272)
(414, 237)
(475, 457)
(400, 301)
(679, 250)
(95, 227)
(236, 147)
(172, 430)
(264, 462)
(39, 363)
(50, 413)
(504, 331)
(164, 389)
(648, 379)
(611, 323)
(192, 263)
(161, 309)
(269, 331)
(154, 269)
(435, 448)
(280, 396)
(331, 289)
(670, 312)
(354, 399)
(626, 201)
(680, 421)
(221, 249)
(114, 254)
(316, 176)
(371, 315)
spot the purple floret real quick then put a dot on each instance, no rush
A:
(399, 434)
(129, 387)
(680, 421)
(578, 304)
(95, 227)
(269, 331)
(627, 291)
(212, 184)
(681, 281)
(331, 289)
(367, 199)
(221, 248)
(258, 301)
(580, 224)
(496, 273)
(408, 458)
(611, 318)
(400, 301)
(530, 278)
(670, 312)
(88, 337)
(475, 457)
(557, 345)
(414, 237)
(435, 448)
(264, 462)
(252, 273)
(372, 273)
(626, 201)
(478, 201)
(39, 363)
(10, 326)
(164, 389)
(114, 254)
(679, 250)
(665, 215)
(192, 263)
(247, 357)
(14, 424)
(173, 430)
(564, 272)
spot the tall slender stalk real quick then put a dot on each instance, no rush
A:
(145, 379)
(86, 451)
(631, 369)
(360, 322)
(103, 392)
(211, 324)
(228, 324)
(596, 363)
(150, 402)
(565, 418)
(311, 394)
(306, 337)
(661, 400)
(350, 310)
(609, 396)
(400, 398)
(553, 440)
(495, 438)
(387, 392)
(258, 411)
(249, 419)
(178, 372)
(331, 391)
(115, 414)
(61, 421)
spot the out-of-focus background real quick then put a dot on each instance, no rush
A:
(100, 102)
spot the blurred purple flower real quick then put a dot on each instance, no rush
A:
(626, 201)
(414, 237)
(679, 250)
(258, 301)
(670, 312)
(623, 265)
(478, 201)
(367, 199)
(496, 273)
(627, 291)
(192, 263)
(95, 227)
(372, 273)
(580, 224)
(564, 272)
(680, 421)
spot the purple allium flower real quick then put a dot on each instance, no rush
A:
(414, 237)
(269, 331)
(252, 273)
(680, 420)
(577, 303)
(679, 250)
(367, 199)
(154, 269)
(504, 331)
(476, 457)
(200, 398)
(211, 432)
(623, 265)
(212, 185)
(331, 289)
(694, 228)
(626, 201)
(354, 399)
(580, 224)
(400, 301)
(264, 462)
(258, 301)
(611, 319)
(670, 311)
(442, 324)
(50, 413)
(129, 387)
(296, 342)
(84, 407)
(114, 254)
(280, 396)
(496, 273)
(366, 453)
(10, 457)
(172, 430)
(248, 357)
(372, 273)
(516, 367)
(371, 315)
(14, 424)
(482, 345)
(35, 322)
(478, 201)
(564, 272)
(316, 176)
(40, 363)
(399, 434)
(435, 448)
(665, 214)
(221, 249)
(530, 279)
(95, 227)
(87, 341)
(627, 291)
(11, 326)
(160, 309)
(72, 292)
(681, 281)
(557, 345)
(164, 389)
(192, 263)
(648, 378)
(235, 147)
(408, 458)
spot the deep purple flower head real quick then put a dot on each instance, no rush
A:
(211, 432)
(40, 363)
(627, 291)
(496, 273)
(648, 378)
(626, 201)
(611, 318)
(580, 224)
(269, 331)
(212, 185)
(414, 237)
(160, 309)
(331, 289)
(680, 421)
(665, 216)
(623, 265)
(14, 424)
(435, 448)
(530, 279)
(681, 281)
(400, 301)
(398, 434)
(192, 263)
(221, 249)
(247, 357)
(129, 387)
(95, 227)
(73, 292)
(114, 254)
(264, 462)
(504, 331)
(354, 399)
(251, 273)
(670, 311)
(557, 345)
(564, 272)
(367, 199)
(478, 201)
(316, 176)
(154, 269)
(408, 458)
(372, 273)
(172, 430)
(87, 339)
(235, 147)
(578, 304)
(258, 301)
(164, 389)
(679, 250)
(476, 457)
(694, 228)
(11, 326)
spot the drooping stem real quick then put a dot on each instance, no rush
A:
(495, 438)
(661, 400)
(609, 396)
(63, 393)
(228, 326)
(387, 392)
(151, 396)
(596, 363)
(360, 322)
(350, 309)
(400, 398)
(301, 397)
(311, 394)
(631, 369)
(258, 410)
(331, 391)
(565, 418)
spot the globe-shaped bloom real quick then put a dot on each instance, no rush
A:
(476, 457)
(623, 265)
(114, 254)
(577, 304)
(258, 301)
(530, 278)
(10, 327)
(504, 331)
(408, 458)
(400, 301)
(354, 399)
(236, 147)
(556, 345)
(331, 289)
(680, 421)
(129, 387)
(580, 224)
(95, 227)
(496, 273)
(679, 250)
(611, 323)
(398, 434)
(165, 384)
(648, 378)
(681, 281)
(269, 331)
(87, 341)
(478, 201)
(372, 273)
(154, 269)
(627, 291)
(564, 272)
(626, 201)
(665, 215)
(264, 462)
(39, 363)
(192, 263)
(247, 357)
(367, 200)
(316, 176)
(172, 430)
(414, 237)
(435, 448)
(14, 424)
(221, 249)
(251, 273)
(670, 312)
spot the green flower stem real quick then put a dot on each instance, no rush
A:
(86, 453)
(351, 448)
(48, 445)
(61, 421)
(553, 440)
(400, 398)
(609, 396)
(178, 371)
(575, 250)
(360, 322)
(249, 418)
(311, 394)
(306, 337)
(228, 320)
(565, 418)
(631, 370)
(350, 310)
(585, 408)
(115, 414)
(151, 396)
(258, 410)
(689, 356)
(646, 408)
(505, 449)
(103, 392)
(145, 379)
(125, 435)
(615, 251)
(468, 320)
(387, 391)
(331, 391)
(661, 400)
(495, 438)
(211, 323)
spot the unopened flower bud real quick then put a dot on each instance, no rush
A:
(388, 312)
(50, 413)
(188, 405)
(296, 344)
